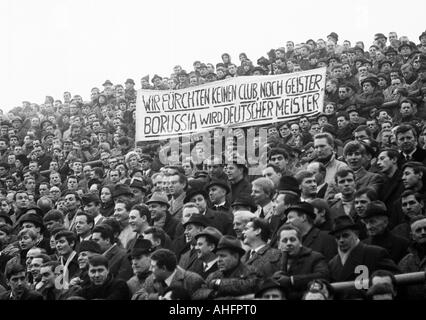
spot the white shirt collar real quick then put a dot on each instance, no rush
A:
(168, 281)
(210, 264)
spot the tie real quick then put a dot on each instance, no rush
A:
(205, 265)
(262, 214)
(407, 157)
(163, 287)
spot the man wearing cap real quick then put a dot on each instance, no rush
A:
(32, 219)
(271, 290)
(192, 227)
(141, 264)
(234, 278)
(122, 192)
(146, 163)
(288, 194)
(87, 248)
(92, 206)
(236, 173)
(352, 253)
(139, 190)
(159, 208)
(415, 89)
(156, 81)
(260, 256)
(130, 92)
(376, 220)
(205, 246)
(302, 215)
(217, 219)
(166, 273)
(371, 97)
(218, 191)
(380, 40)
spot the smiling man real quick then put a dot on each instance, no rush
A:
(406, 139)
(260, 256)
(102, 284)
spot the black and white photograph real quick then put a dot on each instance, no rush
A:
(212, 153)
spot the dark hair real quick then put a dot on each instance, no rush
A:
(290, 198)
(70, 236)
(419, 197)
(14, 269)
(265, 230)
(127, 204)
(165, 258)
(383, 273)
(342, 114)
(113, 224)
(369, 192)
(403, 128)
(76, 196)
(97, 260)
(157, 234)
(53, 215)
(89, 218)
(391, 153)
(288, 226)
(363, 127)
(143, 211)
(353, 146)
(105, 232)
(343, 172)
(416, 166)
(280, 151)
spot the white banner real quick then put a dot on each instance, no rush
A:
(233, 102)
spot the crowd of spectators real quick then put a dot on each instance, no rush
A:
(87, 212)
